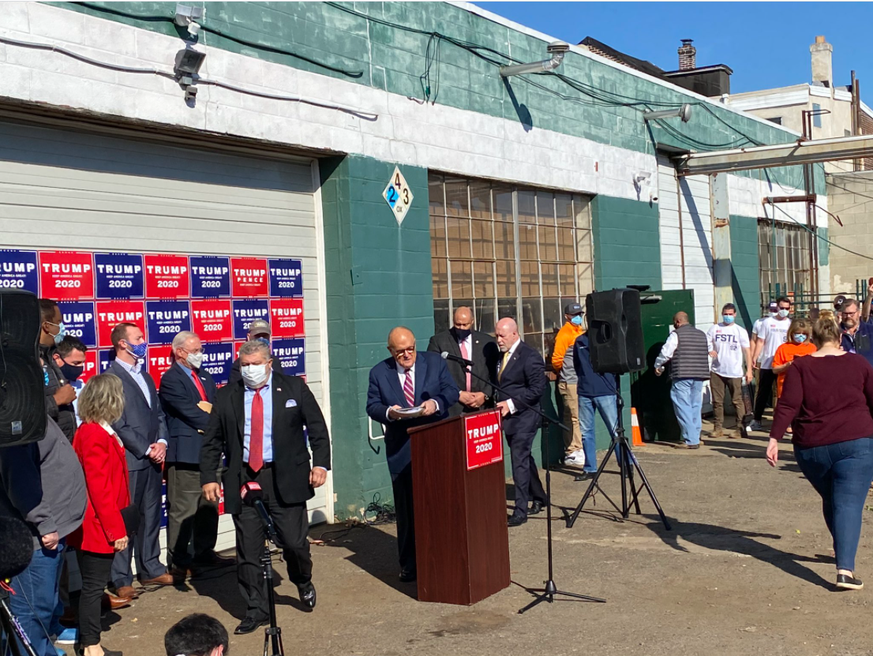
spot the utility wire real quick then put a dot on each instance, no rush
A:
(818, 236)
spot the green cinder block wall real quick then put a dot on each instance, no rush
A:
(745, 269)
(378, 275)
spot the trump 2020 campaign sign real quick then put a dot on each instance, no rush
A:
(160, 358)
(247, 310)
(210, 277)
(79, 320)
(112, 313)
(211, 320)
(291, 354)
(66, 275)
(166, 319)
(19, 270)
(286, 278)
(217, 359)
(167, 276)
(286, 317)
(483, 436)
(119, 275)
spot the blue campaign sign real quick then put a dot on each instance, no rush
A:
(119, 275)
(79, 321)
(246, 311)
(292, 355)
(106, 356)
(165, 319)
(217, 361)
(286, 278)
(210, 276)
(18, 270)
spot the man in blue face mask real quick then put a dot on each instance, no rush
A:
(258, 330)
(730, 350)
(59, 394)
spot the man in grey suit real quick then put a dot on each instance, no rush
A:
(143, 431)
(461, 340)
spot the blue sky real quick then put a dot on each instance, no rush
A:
(765, 43)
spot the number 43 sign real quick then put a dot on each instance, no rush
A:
(398, 195)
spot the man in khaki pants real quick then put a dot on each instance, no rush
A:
(562, 364)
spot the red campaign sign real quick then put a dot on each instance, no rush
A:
(112, 313)
(248, 276)
(66, 275)
(484, 441)
(160, 358)
(90, 365)
(286, 317)
(212, 320)
(167, 276)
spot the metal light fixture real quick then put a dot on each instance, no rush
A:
(556, 49)
(683, 112)
(188, 63)
(187, 16)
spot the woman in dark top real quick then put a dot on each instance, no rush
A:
(828, 396)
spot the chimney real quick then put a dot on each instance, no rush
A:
(821, 53)
(688, 56)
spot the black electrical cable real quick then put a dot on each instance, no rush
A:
(818, 236)
(219, 33)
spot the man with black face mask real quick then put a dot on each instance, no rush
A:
(59, 394)
(463, 341)
(69, 358)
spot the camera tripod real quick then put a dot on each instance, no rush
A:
(627, 464)
(12, 628)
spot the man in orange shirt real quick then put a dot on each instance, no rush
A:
(562, 365)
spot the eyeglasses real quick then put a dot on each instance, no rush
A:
(406, 351)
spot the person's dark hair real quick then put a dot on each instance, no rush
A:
(849, 303)
(119, 333)
(729, 306)
(826, 330)
(195, 635)
(783, 299)
(70, 344)
(47, 309)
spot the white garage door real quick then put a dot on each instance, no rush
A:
(67, 190)
(686, 238)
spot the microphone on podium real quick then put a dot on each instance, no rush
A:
(445, 355)
(252, 495)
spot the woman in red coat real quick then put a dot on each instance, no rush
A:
(103, 532)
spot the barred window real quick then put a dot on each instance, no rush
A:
(784, 256)
(508, 251)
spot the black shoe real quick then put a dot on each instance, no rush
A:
(584, 476)
(212, 559)
(848, 582)
(249, 624)
(536, 507)
(307, 595)
(516, 520)
(408, 575)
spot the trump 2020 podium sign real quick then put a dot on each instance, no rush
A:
(484, 443)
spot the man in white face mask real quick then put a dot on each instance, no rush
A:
(258, 423)
(187, 392)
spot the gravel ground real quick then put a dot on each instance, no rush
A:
(747, 569)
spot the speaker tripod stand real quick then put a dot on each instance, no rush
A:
(627, 464)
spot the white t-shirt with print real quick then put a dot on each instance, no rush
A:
(756, 327)
(774, 333)
(728, 341)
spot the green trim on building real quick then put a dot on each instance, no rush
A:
(627, 248)
(745, 267)
(824, 248)
(389, 50)
(378, 275)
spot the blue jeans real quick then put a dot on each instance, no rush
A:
(687, 396)
(36, 597)
(608, 409)
(841, 474)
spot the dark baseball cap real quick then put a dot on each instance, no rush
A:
(773, 305)
(573, 309)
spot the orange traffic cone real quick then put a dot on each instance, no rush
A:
(636, 435)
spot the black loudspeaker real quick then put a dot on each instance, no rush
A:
(615, 331)
(22, 382)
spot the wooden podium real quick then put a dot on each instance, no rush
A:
(461, 537)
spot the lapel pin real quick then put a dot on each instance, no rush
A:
(278, 389)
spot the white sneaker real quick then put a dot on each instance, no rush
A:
(577, 459)
(755, 425)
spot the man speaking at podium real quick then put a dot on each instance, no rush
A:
(406, 390)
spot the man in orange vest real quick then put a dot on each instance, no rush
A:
(562, 365)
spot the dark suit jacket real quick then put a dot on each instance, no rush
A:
(140, 426)
(432, 381)
(225, 434)
(485, 354)
(524, 380)
(235, 375)
(186, 423)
